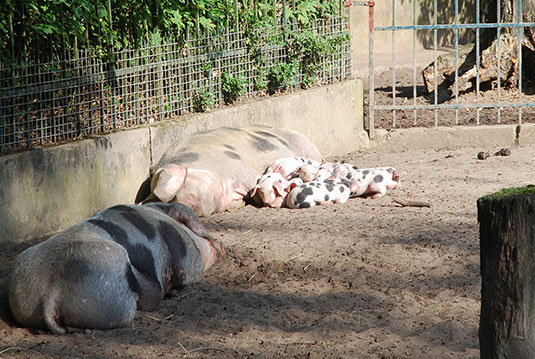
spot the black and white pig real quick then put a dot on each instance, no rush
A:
(374, 182)
(314, 193)
(96, 273)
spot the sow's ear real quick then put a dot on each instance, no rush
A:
(167, 181)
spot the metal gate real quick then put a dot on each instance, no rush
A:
(414, 103)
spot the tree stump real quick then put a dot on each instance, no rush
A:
(488, 65)
(507, 241)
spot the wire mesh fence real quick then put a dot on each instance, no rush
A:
(82, 95)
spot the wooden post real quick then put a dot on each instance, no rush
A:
(507, 241)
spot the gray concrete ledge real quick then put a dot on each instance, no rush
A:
(45, 190)
(448, 137)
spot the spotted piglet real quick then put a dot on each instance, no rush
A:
(343, 169)
(287, 166)
(270, 190)
(374, 181)
(314, 193)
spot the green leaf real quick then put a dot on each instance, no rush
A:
(206, 23)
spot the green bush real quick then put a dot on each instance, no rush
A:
(233, 87)
(203, 100)
(282, 77)
(29, 28)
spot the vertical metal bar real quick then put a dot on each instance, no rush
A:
(414, 93)
(456, 61)
(114, 83)
(371, 93)
(102, 99)
(26, 100)
(435, 21)
(42, 96)
(520, 29)
(394, 62)
(159, 78)
(11, 35)
(91, 87)
(136, 80)
(478, 60)
(53, 102)
(110, 19)
(146, 79)
(284, 14)
(79, 88)
(499, 56)
(236, 22)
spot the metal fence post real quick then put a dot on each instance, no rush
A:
(371, 99)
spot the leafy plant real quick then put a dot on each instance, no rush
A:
(203, 100)
(309, 50)
(260, 81)
(282, 77)
(233, 87)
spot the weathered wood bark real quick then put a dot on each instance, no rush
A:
(507, 240)
(488, 66)
(489, 55)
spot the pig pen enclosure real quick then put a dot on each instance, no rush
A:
(364, 279)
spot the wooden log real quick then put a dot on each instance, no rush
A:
(507, 244)
(446, 67)
(409, 203)
(488, 66)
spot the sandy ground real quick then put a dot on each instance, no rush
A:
(364, 279)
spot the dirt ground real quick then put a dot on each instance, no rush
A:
(364, 279)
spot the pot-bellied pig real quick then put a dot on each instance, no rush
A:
(96, 273)
(210, 170)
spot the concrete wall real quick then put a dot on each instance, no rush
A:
(331, 117)
(43, 191)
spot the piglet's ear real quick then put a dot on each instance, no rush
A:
(167, 181)
(279, 188)
(396, 176)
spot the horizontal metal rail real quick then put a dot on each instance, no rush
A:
(457, 26)
(454, 106)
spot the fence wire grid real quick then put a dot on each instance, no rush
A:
(53, 102)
